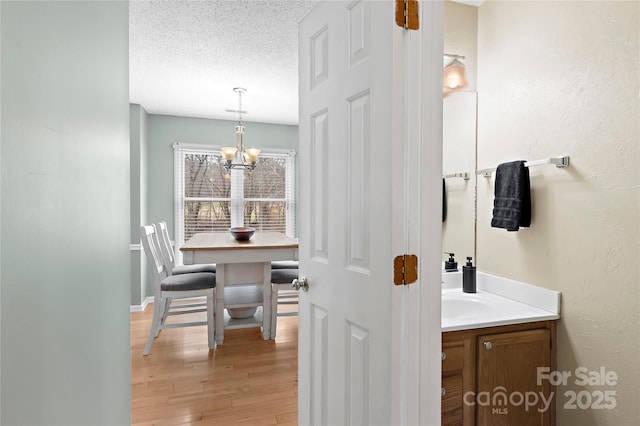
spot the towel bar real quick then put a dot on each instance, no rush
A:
(558, 161)
(463, 175)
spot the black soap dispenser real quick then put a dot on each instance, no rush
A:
(450, 265)
(469, 277)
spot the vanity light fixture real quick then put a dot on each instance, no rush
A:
(236, 157)
(453, 78)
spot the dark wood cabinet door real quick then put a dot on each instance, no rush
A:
(507, 391)
(452, 401)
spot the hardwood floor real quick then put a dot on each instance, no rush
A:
(245, 381)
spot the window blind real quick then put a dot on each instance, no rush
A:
(208, 199)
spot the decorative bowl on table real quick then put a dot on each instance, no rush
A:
(242, 233)
(241, 313)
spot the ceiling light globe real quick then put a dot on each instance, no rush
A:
(251, 154)
(228, 152)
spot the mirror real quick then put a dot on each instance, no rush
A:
(459, 134)
(459, 156)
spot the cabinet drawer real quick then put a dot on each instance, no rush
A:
(452, 400)
(452, 357)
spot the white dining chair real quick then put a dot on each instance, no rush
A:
(168, 288)
(282, 294)
(169, 256)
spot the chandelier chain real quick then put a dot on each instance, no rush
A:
(238, 157)
(240, 105)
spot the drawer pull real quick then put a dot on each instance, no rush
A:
(443, 356)
(488, 345)
(443, 391)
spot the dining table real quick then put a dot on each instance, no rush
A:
(240, 263)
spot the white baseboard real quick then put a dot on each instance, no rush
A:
(141, 308)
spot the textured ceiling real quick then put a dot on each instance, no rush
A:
(185, 57)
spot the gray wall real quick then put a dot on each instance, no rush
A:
(65, 213)
(139, 142)
(162, 131)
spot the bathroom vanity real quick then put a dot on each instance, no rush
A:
(498, 345)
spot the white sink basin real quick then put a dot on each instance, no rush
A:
(462, 311)
(463, 306)
(499, 301)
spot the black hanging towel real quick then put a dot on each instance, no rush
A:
(444, 202)
(512, 203)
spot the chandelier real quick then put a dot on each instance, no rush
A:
(236, 157)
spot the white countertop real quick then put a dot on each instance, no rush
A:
(498, 301)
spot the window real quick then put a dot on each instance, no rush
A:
(266, 200)
(207, 199)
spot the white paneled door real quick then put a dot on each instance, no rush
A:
(351, 154)
(370, 189)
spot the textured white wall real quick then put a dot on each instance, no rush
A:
(562, 78)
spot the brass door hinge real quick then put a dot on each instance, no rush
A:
(407, 14)
(405, 269)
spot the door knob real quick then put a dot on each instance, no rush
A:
(300, 283)
(488, 345)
